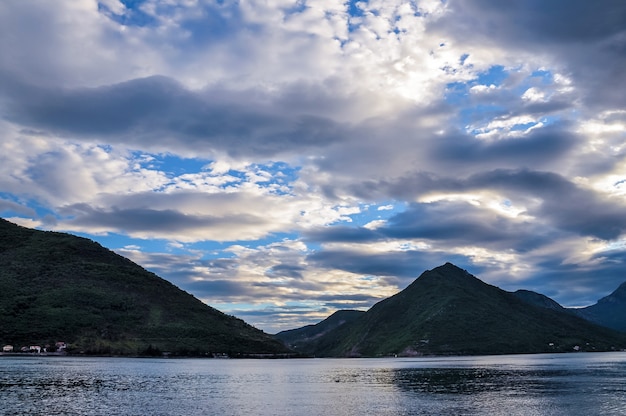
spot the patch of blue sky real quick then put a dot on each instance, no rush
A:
(544, 75)
(355, 8)
(218, 22)
(458, 92)
(279, 176)
(132, 16)
(376, 212)
(355, 12)
(495, 75)
(209, 249)
(170, 164)
(132, 4)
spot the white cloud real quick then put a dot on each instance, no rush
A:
(483, 89)
(533, 94)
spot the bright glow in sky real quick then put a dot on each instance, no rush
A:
(283, 159)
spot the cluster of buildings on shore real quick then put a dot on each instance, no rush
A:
(58, 347)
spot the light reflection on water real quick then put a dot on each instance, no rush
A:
(566, 384)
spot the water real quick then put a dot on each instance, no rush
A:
(546, 384)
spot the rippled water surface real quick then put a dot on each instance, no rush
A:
(564, 384)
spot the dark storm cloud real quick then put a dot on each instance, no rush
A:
(286, 270)
(539, 147)
(158, 113)
(564, 204)
(561, 204)
(588, 38)
(460, 223)
(398, 158)
(540, 21)
(342, 234)
(450, 222)
(149, 220)
(297, 287)
(405, 264)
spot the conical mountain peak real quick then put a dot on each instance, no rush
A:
(447, 275)
(449, 311)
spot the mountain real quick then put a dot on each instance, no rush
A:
(448, 311)
(538, 299)
(303, 340)
(609, 311)
(59, 287)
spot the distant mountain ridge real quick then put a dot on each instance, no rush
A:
(448, 311)
(303, 340)
(610, 311)
(59, 287)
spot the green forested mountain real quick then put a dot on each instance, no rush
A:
(59, 287)
(448, 311)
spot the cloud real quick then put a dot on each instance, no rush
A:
(397, 264)
(6, 205)
(585, 39)
(158, 114)
(566, 205)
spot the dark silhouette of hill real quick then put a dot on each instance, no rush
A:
(303, 340)
(59, 287)
(610, 311)
(448, 311)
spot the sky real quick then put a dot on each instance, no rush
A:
(281, 159)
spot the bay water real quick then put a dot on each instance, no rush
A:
(542, 384)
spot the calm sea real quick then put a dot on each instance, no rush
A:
(546, 384)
